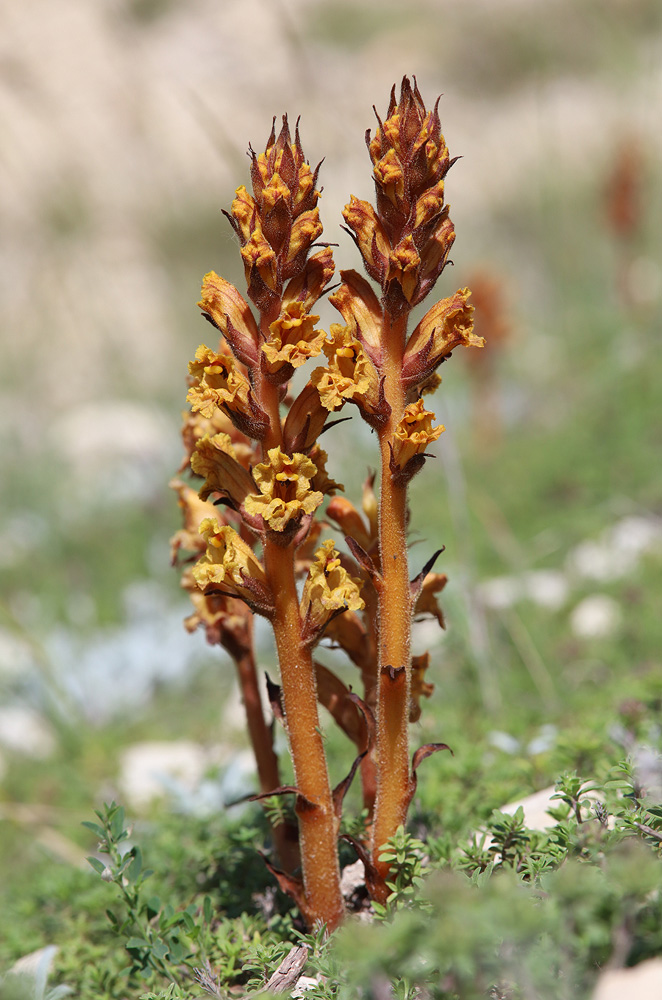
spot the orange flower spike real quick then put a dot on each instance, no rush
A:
(278, 225)
(285, 494)
(410, 161)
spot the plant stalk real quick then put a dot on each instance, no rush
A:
(395, 612)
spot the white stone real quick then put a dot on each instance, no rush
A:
(637, 535)
(598, 561)
(15, 654)
(304, 983)
(535, 806)
(24, 731)
(642, 982)
(503, 741)
(548, 588)
(500, 592)
(596, 617)
(148, 769)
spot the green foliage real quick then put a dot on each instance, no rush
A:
(157, 937)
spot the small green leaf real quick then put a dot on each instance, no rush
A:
(160, 949)
(98, 866)
(95, 828)
(133, 870)
(136, 942)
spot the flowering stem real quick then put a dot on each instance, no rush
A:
(318, 832)
(265, 755)
(395, 611)
(317, 821)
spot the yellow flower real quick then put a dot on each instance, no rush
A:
(194, 511)
(217, 383)
(414, 433)
(223, 306)
(215, 459)
(228, 561)
(447, 325)
(293, 340)
(321, 480)
(358, 305)
(284, 485)
(329, 589)
(349, 374)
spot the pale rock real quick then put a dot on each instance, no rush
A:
(304, 983)
(535, 808)
(500, 592)
(149, 769)
(24, 731)
(548, 588)
(15, 654)
(598, 561)
(641, 982)
(596, 617)
(503, 741)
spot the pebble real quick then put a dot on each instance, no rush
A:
(24, 731)
(641, 982)
(596, 617)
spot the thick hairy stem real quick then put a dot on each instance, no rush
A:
(317, 821)
(395, 612)
(318, 834)
(265, 755)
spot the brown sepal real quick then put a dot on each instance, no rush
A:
(416, 585)
(260, 604)
(364, 560)
(254, 424)
(291, 886)
(374, 882)
(419, 366)
(280, 377)
(275, 695)
(305, 421)
(425, 751)
(377, 415)
(426, 602)
(403, 475)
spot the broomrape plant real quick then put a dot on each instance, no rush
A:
(252, 530)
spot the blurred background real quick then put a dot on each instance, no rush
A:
(125, 127)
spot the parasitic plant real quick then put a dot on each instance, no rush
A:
(254, 526)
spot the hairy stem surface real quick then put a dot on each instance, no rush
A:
(395, 609)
